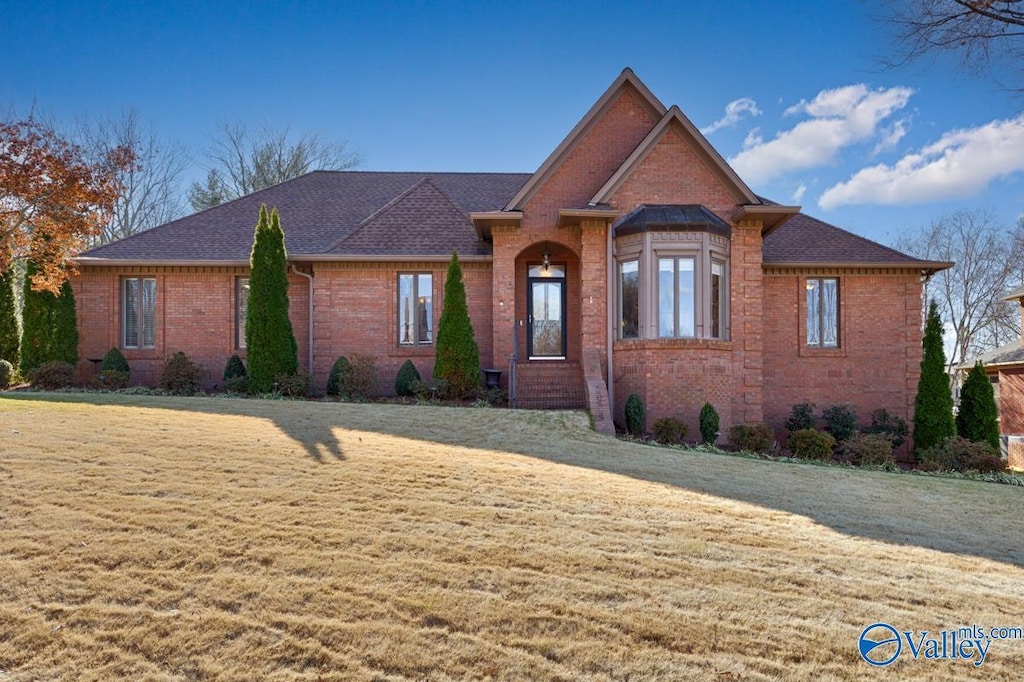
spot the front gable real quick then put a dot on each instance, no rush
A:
(592, 151)
(670, 167)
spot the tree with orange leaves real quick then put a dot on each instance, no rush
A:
(52, 199)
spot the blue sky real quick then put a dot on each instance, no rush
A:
(486, 86)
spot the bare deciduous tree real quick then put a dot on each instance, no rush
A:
(240, 162)
(982, 33)
(151, 192)
(989, 262)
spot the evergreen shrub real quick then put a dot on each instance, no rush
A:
(709, 424)
(636, 415)
(811, 444)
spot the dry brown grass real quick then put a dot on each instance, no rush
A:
(164, 538)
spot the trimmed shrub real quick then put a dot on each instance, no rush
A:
(978, 417)
(960, 454)
(636, 415)
(270, 343)
(298, 385)
(801, 416)
(933, 406)
(840, 422)
(353, 380)
(867, 449)
(236, 379)
(891, 425)
(52, 375)
(811, 444)
(669, 430)
(407, 377)
(458, 357)
(339, 370)
(115, 372)
(751, 437)
(708, 424)
(180, 375)
(6, 374)
(10, 329)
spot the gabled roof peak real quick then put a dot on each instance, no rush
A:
(626, 79)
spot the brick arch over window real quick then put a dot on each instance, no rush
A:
(560, 254)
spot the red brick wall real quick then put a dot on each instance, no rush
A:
(195, 314)
(878, 361)
(674, 378)
(356, 310)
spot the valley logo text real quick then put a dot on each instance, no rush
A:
(881, 644)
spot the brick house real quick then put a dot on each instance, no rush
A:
(633, 260)
(1005, 368)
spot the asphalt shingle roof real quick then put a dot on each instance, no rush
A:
(1010, 354)
(320, 209)
(338, 213)
(803, 239)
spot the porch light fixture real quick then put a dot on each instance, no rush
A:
(547, 259)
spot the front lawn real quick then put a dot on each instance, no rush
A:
(209, 538)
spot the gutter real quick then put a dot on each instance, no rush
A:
(309, 279)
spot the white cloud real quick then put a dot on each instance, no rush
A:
(891, 136)
(735, 111)
(838, 119)
(798, 194)
(960, 164)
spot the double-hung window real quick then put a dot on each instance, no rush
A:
(822, 312)
(138, 312)
(415, 309)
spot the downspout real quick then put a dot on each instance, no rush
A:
(309, 279)
(610, 324)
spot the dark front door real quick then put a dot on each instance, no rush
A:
(546, 312)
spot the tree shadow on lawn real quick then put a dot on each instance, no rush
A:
(957, 516)
(314, 433)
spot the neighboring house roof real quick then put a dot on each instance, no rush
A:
(803, 240)
(1010, 354)
(320, 210)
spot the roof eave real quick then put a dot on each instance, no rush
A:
(770, 215)
(156, 262)
(484, 221)
(926, 267)
(387, 258)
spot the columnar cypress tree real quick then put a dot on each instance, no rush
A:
(270, 344)
(49, 328)
(458, 358)
(10, 333)
(933, 407)
(977, 419)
